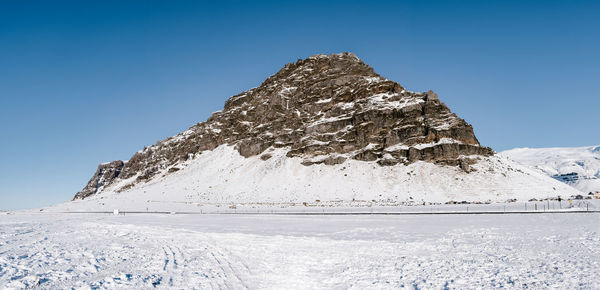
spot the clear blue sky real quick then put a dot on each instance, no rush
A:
(85, 82)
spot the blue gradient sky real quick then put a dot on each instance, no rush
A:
(86, 82)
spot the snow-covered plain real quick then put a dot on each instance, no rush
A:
(59, 251)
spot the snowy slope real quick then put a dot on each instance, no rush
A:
(578, 167)
(222, 176)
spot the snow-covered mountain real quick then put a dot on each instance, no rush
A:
(325, 128)
(578, 167)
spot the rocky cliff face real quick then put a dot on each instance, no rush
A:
(105, 175)
(324, 109)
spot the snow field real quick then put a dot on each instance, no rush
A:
(558, 251)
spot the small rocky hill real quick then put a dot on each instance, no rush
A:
(325, 110)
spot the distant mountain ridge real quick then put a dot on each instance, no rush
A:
(326, 113)
(576, 166)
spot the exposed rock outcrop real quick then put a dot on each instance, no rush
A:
(324, 109)
(105, 175)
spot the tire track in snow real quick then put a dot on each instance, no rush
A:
(227, 267)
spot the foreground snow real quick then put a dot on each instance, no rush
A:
(578, 167)
(310, 252)
(222, 176)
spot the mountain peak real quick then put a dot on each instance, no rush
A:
(318, 68)
(317, 77)
(341, 55)
(339, 59)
